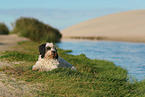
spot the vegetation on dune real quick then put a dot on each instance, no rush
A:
(93, 78)
(36, 30)
(4, 29)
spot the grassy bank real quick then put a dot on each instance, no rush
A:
(93, 78)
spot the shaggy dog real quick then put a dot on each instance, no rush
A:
(49, 59)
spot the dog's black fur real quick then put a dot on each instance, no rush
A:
(42, 50)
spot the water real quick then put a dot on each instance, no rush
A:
(130, 56)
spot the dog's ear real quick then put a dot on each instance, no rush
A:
(42, 50)
(56, 57)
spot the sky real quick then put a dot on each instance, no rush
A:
(73, 4)
(63, 13)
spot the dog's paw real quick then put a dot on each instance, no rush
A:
(34, 69)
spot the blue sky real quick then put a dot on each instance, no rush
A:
(63, 13)
(73, 4)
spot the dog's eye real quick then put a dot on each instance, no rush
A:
(48, 48)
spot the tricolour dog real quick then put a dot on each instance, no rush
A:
(49, 59)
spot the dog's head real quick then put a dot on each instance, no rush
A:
(48, 50)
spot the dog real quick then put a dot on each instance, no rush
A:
(49, 59)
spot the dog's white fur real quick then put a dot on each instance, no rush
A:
(48, 63)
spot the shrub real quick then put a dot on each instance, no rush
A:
(36, 30)
(3, 29)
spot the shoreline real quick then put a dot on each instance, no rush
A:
(83, 38)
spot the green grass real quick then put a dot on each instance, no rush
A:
(93, 78)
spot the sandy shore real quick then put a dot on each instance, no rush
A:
(8, 41)
(124, 26)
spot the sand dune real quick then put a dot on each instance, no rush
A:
(124, 26)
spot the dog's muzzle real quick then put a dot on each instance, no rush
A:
(53, 54)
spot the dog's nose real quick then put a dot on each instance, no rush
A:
(53, 52)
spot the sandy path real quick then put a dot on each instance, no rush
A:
(7, 41)
(8, 86)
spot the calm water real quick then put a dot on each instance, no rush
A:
(127, 55)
